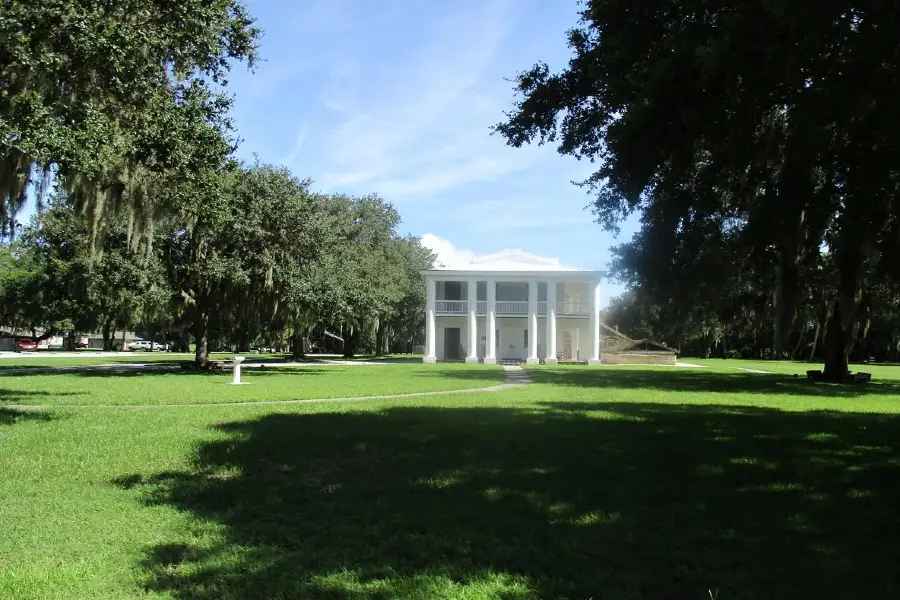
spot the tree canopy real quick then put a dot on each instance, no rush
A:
(111, 98)
(756, 140)
(117, 112)
(259, 259)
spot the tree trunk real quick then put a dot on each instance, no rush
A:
(836, 368)
(382, 340)
(812, 353)
(298, 344)
(863, 346)
(243, 342)
(799, 343)
(107, 338)
(786, 291)
(351, 342)
(201, 338)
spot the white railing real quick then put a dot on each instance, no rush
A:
(453, 307)
(573, 308)
(511, 307)
(516, 307)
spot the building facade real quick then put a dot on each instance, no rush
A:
(513, 306)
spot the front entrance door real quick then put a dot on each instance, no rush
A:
(452, 343)
(570, 350)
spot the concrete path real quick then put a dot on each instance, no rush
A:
(515, 377)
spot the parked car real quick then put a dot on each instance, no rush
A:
(161, 346)
(81, 342)
(139, 345)
(26, 345)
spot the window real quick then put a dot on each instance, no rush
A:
(453, 290)
(496, 338)
(526, 338)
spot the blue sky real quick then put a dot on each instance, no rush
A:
(397, 98)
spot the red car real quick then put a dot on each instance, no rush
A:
(26, 345)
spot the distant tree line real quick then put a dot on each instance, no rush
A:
(114, 116)
(758, 143)
(263, 261)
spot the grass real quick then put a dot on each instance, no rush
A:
(619, 483)
(46, 359)
(271, 384)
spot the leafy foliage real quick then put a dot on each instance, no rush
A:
(762, 125)
(109, 98)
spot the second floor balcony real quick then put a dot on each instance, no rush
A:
(510, 308)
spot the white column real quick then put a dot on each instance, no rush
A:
(550, 354)
(430, 356)
(594, 358)
(532, 324)
(490, 325)
(471, 304)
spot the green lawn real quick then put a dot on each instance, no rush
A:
(271, 384)
(46, 359)
(619, 483)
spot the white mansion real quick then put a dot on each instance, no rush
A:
(535, 310)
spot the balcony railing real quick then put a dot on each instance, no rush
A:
(573, 308)
(511, 308)
(451, 307)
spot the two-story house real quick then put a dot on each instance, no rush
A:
(513, 306)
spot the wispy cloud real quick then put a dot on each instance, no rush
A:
(423, 126)
(302, 134)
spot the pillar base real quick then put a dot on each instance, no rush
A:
(551, 361)
(490, 361)
(429, 360)
(471, 360)
(594, 362)
(532, 361)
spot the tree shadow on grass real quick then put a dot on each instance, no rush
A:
(639, 501)
(13, 396)
(709, 381)
(118, 371)
(13, 416)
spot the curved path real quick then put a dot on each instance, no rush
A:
(515, 377)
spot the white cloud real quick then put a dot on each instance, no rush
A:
(449, 257)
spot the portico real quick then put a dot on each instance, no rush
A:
(516, 310)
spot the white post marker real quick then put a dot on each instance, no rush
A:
(236, 379)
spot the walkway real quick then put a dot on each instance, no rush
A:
(515, 377)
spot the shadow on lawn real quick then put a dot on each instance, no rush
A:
(11, 416)
(651, 501)
(708, 381)
(118, 371)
